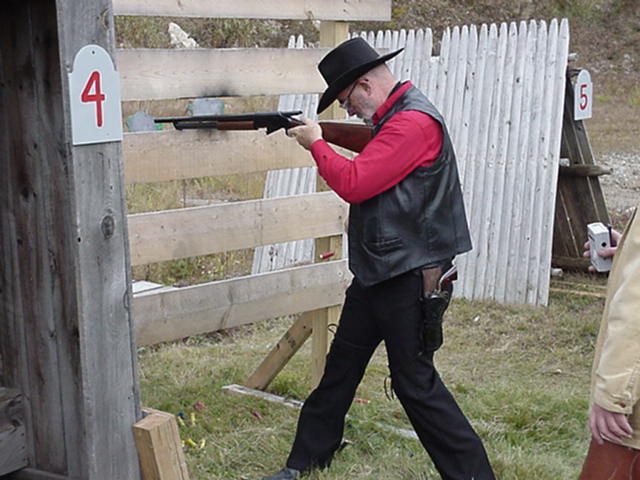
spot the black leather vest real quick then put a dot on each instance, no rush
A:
(420, 221)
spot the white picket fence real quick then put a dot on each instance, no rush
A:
(289, 181)
(501, 92)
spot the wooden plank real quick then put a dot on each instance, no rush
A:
(188, 232)
(153, 74)
(496, 162)
(292, 403)
(584, 170)
(352, 10)
(558, 53)
(27, 307)
(333, 34)
(269, 397)
(570, 263)
(321, 319)
(178, 155)
(34, 474)
(159, 447)
(581, 293)
(229, 303)
(282, 352)
(13, 444)
(70, 326)
(514, 168)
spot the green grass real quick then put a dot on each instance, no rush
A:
(521, 375)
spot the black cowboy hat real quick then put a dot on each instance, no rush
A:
(344, 64)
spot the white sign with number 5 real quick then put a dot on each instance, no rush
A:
(583, 96)
(94, 86)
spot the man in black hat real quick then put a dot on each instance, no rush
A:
(406, 224)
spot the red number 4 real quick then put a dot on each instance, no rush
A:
(97, 96)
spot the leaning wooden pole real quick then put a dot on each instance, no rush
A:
(66, 344)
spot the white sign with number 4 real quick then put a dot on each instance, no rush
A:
(94, 86)
(583, 96)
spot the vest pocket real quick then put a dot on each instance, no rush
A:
(385, 245)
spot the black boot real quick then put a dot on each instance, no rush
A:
(284, 474)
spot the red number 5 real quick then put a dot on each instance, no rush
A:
(584, 99)
(97, 96)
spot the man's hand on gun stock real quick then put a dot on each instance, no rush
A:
(306, 134)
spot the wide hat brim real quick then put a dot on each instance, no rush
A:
(348, 77)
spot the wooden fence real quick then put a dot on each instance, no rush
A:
(152, 74)
(500, 89)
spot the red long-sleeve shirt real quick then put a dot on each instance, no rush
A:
(408, 140)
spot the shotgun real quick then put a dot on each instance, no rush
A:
(352, 136)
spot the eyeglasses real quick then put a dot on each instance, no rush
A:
(345, 103)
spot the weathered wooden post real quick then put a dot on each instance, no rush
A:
(66, 344)
(332, 34)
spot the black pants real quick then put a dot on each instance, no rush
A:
(388, 311)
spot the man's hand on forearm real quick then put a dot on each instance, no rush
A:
(306, 134)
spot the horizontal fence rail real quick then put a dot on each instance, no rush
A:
(177, 155)
(344, 10)
(155, 74)
(188, 232)
(174, 314)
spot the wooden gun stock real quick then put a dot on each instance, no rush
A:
(352, 136)
(349, 135)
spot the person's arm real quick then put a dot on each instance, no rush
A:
(616, 389)
(405, 142)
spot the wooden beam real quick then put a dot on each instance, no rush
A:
(584, 170)
(570, 263)
(159, 447)
(13, 444)
(64, 288)
(282, 352)
(352, 10)
(153, 74)
(34, 474)
(178, 155)
(182, 312)
(174, 234)
(331, 35)
(577, 292)
(322, 337)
